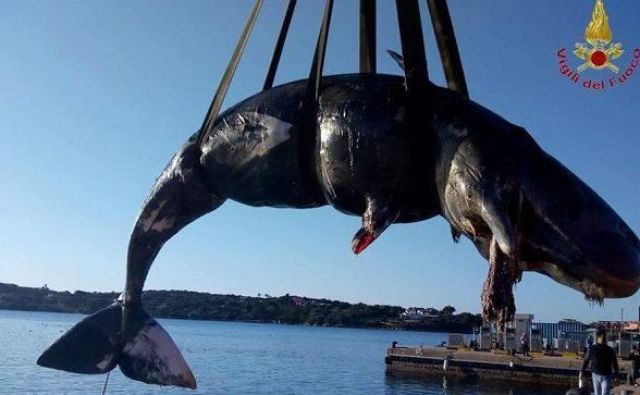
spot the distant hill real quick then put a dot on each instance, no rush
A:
(205, 306)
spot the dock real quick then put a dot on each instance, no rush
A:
(538, 369)
(626, 389)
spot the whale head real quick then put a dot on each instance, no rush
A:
(572, 235)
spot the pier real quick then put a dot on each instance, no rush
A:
(462, 363)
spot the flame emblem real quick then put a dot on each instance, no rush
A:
(598, 52)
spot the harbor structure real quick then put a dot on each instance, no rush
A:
(557, 351)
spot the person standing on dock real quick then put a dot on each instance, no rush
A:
(524, 344)
(604, 364)
(635, 365)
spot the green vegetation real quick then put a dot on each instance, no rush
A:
(204, 306)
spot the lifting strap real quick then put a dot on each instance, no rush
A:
(447, 46)
(218, 98)
(277, 51)
(414, 58)
(315, 75)
(415, 61)
(368, 36)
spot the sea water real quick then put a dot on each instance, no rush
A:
(236, 358)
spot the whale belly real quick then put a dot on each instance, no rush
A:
(363, 144)
(255, 159)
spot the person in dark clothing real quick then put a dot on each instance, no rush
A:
(635, 365)
(524, 344)
(604, 364)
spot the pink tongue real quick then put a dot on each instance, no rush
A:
(361, 242)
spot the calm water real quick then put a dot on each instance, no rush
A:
(234, 358)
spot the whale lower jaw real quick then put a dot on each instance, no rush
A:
(591, 290)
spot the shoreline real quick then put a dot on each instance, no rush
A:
(287, 309)
(388, 329)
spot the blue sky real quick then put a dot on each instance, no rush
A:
(96, 96)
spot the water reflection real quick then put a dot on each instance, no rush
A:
(235, 358)
(436, 385)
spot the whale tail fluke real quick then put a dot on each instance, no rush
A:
(95, 345)
(92, 346)
(151, 356)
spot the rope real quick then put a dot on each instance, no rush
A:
(104, 388)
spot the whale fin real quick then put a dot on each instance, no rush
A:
(95, 345)
(496, 217)
(397, 57)
(90, 347)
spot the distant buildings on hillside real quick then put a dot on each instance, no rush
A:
(415, 313)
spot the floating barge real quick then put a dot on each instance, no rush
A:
(461, 363)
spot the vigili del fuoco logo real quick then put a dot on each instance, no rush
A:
(599, 53)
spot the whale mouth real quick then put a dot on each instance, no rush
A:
(594, 290)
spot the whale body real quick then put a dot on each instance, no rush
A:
(368, 150)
